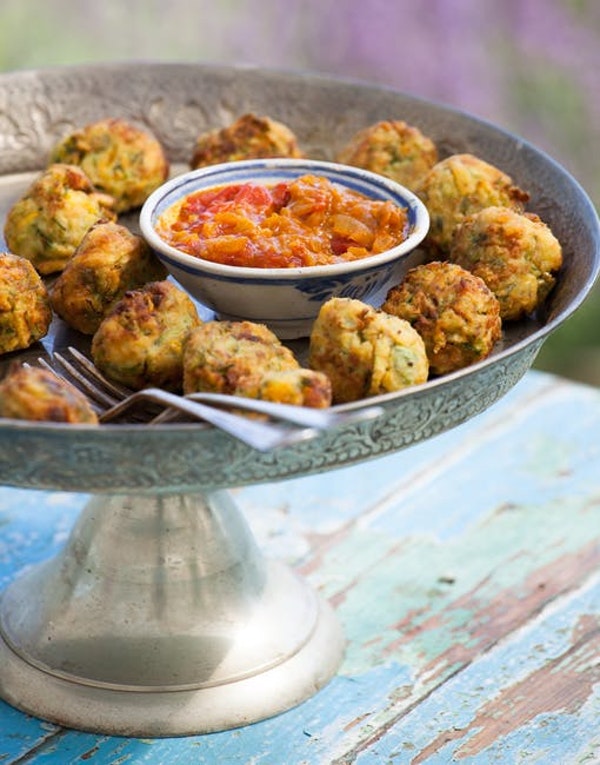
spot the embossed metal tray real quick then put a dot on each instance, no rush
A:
(178, 101)
(160, 616)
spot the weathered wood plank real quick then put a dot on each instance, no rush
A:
(33, 526)
(464, 571)
(534, 699)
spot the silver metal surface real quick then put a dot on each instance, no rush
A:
(161, 617)
(177, 102)
(140, 643)
(116, 402)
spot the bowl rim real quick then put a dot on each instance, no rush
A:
(198, 266)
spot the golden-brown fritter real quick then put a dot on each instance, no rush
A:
(140, 342)
(119, 158)
(516, 255)
(365, 352)
(249, 137)
(33, 393)
(109, 261)
(392, 148)
(453, 310)
(25, 312)
(47, 224)
(299, 387)
(461, 185)
(227, 356)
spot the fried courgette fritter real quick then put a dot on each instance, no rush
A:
(49, 221)
(453, 310)
(461, 185)
(392, 148)
(230, 356)
(25, 311)
(109, 261)
(515, 254)
(298, 387)
(249, 137)
(365, 352)
(33, 393)
(119, 158)
(140, 342)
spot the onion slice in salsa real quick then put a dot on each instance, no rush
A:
(308, 221)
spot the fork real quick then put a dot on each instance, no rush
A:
(287, 424)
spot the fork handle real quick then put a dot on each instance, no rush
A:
(305, 416)
(262, 436)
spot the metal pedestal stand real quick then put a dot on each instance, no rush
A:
(160, 617)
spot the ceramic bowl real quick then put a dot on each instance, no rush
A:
(285, 299)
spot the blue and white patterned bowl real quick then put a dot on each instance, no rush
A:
(285, 299)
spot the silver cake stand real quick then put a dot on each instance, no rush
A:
(160, 616)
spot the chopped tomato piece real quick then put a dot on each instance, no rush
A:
(305, 222)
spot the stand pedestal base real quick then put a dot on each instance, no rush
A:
(161, 618)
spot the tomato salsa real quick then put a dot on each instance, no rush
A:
(308, 221)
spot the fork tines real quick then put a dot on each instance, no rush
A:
(103, 394)
(271, 424)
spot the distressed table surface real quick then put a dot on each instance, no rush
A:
(465, 572)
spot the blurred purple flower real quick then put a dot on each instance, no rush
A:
(520, 63)
(437, 49)
(553, 33)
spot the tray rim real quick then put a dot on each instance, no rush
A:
(503, 354)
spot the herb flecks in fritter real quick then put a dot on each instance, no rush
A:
(248, 137)
(33, 393)
(49, 221)
(298, 387)
(109, 261)
(392, 148)
(458, 186)
(25, 312)
(365, 352)
(515, 254)
(140, 342)
(121, 159)
(453, 310)
(225, 356)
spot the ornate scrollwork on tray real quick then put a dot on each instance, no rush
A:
(177, 102)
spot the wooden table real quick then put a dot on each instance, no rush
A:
(465, 572)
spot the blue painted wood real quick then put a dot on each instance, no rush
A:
(464, 571)
(510, 676)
